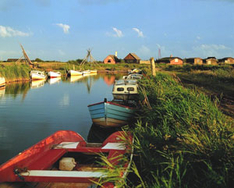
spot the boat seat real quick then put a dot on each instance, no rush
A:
(114, 146)
(67, 145)
(56, 173)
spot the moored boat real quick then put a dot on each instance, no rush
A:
(66, 157)
(2, 81)
(52, 74)
(133, 76)
(37, 75)
(111, 113)
(75, 73)
(125, 90)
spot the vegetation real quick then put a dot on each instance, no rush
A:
(181, 139)
(15, 72)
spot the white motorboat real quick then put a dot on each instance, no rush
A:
(125, 90)
(2, 81)
(133, 76)
(75, 73)
(37, 75)
(52, 74)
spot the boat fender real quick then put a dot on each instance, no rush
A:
(67, 163)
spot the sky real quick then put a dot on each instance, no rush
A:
(63, 30)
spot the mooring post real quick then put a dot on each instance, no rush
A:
(152, 66)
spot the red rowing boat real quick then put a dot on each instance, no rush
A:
(66, 157)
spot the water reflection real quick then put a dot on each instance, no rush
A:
(28, 115)
(54, 80)
(2, 91)
(98, 134)
(37, 83)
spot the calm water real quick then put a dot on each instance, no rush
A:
(29, 112)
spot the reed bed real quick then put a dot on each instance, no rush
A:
(15, 72)
(183, 140)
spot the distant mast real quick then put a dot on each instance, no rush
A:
(159, 53)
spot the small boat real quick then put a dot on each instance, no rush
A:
(2, 82)
(66, 157)
(133, 77)
(111, 113)
(125, 90)
(37, 75)
(134, 71)
(75, 73)
(52, 74)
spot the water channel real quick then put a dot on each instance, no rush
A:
(31, 111)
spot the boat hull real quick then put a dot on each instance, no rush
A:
(37, 75)
(125, 97)
(110, 114)
(2, 82)
(39, 162)
(54, 74)
(75, 73)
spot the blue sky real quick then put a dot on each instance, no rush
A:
(64, 29)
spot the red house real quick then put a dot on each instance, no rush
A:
(111, 59)
(132, 58)
(171, 60)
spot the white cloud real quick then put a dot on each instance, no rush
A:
(206, 50)
(118, 33)
(9, 32)
(65, 27)
(62, 53)
(140, 33)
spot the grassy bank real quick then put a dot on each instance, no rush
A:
(184, 140)
(15, 72)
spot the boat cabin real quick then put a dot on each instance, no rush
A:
(125, 90)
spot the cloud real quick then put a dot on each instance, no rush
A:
(9, 32)
(64, 27)
(140, 33)
(118, 33)
(206, 50)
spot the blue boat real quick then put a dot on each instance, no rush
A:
(111, 114)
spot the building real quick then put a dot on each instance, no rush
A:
(111, 59)
(170, 60)
(227, 60)
(211, 61)
(132, 58)
(194, 61)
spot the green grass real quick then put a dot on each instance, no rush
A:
(182, 139)
(15, 72)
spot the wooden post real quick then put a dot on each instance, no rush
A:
(152, 66)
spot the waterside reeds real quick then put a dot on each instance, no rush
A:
(184, 140)
(15, 72)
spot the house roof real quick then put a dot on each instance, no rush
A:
(167, 59)
(134, 55)
(113, 57)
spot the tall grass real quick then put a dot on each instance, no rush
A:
(184, 140)
(15, 72)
